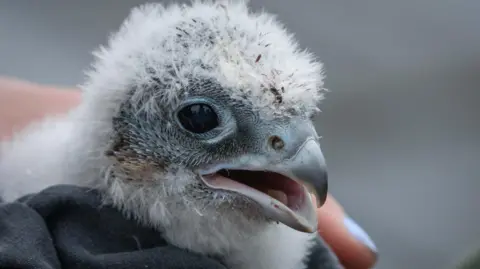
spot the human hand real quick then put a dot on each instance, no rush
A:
(22, 103)
(346, 238)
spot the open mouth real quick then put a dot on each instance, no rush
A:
(284, 199)
(285, 190)
(280, 189)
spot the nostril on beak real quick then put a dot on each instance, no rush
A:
(276, 142)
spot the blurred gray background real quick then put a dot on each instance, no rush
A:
(400, 127)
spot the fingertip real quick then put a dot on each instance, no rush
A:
(359, 233)
(351, 244)
(351, 252)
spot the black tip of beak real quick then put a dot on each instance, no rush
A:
(322, 188)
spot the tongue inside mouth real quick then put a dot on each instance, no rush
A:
(282, 198)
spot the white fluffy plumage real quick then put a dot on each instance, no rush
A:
(247, 53)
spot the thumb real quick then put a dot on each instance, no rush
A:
(351, 244)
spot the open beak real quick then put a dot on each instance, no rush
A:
(306, 167)
(294, 178)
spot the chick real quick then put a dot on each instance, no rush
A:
(196, 121)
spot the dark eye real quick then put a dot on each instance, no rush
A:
(198, 118)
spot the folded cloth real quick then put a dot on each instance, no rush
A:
(69, 227)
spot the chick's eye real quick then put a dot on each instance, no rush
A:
(198, 118)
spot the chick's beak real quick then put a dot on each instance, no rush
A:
(308, 167)
(301, 172)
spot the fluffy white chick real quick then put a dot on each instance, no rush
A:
(195, 120)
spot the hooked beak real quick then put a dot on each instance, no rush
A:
(305, 170)
(308, 168)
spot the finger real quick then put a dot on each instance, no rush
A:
(22, 103)
(350, 243)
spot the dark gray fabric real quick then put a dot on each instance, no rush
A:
(322, 257)
(67, 227)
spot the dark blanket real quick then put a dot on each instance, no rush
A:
(67, 227)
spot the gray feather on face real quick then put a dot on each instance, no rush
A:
(252, 91)
(159, 134)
